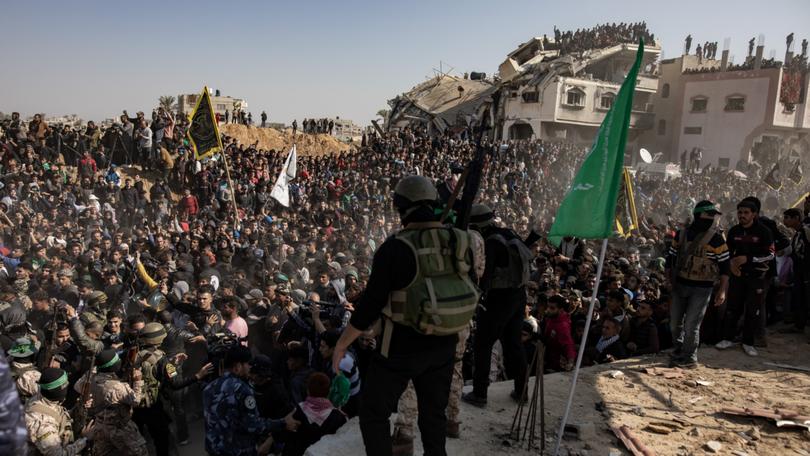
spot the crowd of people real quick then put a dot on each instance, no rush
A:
(598, 37)
(135, 298)
(325, 126)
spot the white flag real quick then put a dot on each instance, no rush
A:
(281, 191)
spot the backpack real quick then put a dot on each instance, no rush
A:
(441, 299)
(148, 362)
(517, 272)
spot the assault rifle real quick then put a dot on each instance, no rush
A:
(471, 181)
(80, 416)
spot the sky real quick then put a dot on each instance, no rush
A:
(316, 58)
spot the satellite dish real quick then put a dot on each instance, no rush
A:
(645, 156)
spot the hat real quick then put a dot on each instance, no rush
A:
(180, 288)
(707, 207)
(254, 295)
(65, 273)
(97, 298)
(93, 198)
(23, 347)
(334, 265)
(107, 359)
(298, 296)
(52, 378)
(261, 365)
(281, 278)
(481, 215)
(353, 272)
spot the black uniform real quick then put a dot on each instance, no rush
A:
(746, 292)
(500, 318)
(426, 360)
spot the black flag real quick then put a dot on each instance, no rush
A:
(774, 178)
(796, 174)
(203, 133)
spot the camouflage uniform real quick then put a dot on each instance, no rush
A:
(49, 429)
(232, 422)
(26, 377)
(12, 423)
(115, 432)
(407, 409)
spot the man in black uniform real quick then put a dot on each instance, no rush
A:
(159, 372)
(501, 315)
(750, 246)
(417, 343)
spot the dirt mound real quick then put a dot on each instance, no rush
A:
(270, 138)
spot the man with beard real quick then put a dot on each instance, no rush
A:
(751, 250)
(698, 257)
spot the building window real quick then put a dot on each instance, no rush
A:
(723, 162)
(606, 100)
(662, 127)
(665, 91)
(699, 104)
(735, 103)
(221, 107)
(575, 97)
(693, 130)
(530, 97)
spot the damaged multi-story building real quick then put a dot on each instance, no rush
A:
(554, 94)
(444, 102)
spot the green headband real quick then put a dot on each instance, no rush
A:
(109, 363)
(700, 210)
(22, 349)
(56, 383)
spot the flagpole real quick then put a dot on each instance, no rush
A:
(233, 189)
(581, 347)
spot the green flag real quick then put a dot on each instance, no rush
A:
(588, 210)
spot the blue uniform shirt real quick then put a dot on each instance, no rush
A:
(233, 426)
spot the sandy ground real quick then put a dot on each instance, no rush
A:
(637, 399)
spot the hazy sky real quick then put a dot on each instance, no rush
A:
(315, 58)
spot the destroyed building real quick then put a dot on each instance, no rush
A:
(553, 91)
(441, 103)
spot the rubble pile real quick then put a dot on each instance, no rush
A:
(270, 138)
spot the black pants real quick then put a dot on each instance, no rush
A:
(177, 400)
(387, 378)
(746, 296)
(502, 320)
(155, 420)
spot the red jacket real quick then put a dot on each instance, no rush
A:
(189, 203)
(559, 343)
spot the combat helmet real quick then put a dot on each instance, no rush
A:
(152, 334)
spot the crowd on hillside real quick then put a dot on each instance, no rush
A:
(117, 243)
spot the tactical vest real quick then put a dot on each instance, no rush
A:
(692, 262)
(148, 361)
(63, 422)
(516, 272)
(441, 299)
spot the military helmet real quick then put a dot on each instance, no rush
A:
(152, 334)
(411, 190)
(481, 215)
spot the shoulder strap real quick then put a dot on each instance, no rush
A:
(48, 411)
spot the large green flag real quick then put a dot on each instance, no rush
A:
(588, 210)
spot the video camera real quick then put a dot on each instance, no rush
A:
(328, 309)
